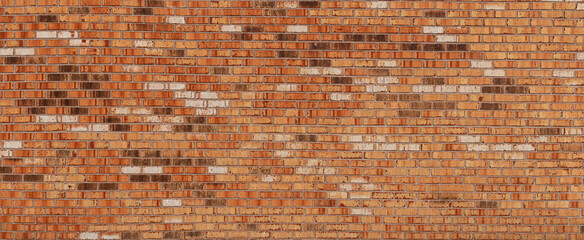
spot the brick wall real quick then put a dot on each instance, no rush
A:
(160, 119)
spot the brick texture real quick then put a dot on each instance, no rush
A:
(175, 119)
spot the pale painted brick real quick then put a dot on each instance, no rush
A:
(24, 51)
(206, 112)
(152, 119)
(445, 89)
(310, 71)
(268, 178)
(184, 94)
(5, 153)
(337, 195)
(12, 144)
(387, 80)
(99, 127)
(88, 235)
(494, 6)
(387, 147)
(196, 103)
(469, 139)
(539, 139)
(346, 187)
(423, 89)
(171, 202)
(162, 128)
(574, 82)
(469, 89)
(260, 137)
(131, 170)
(525, 147)
(360, 195)
(563, 73)
(68, 119)
(371, 187)
(170, 219)
(231, 28)
(286, 87)
(410, 147)
(6, 51)
(67, 34)
(152, 170)
(580, 6)
(110, 236)
(514, 156)
(132, 68)
(332, 71)
(175, 20)
(363, 146)
(79, 128)
(359, 180)
(481, 64)
(477, 147)
(46, 34)
(580, 56)
(365, 80)
(155, 86)
(305, 170)
(141, 111)
(143, 43)
(79, 42)
(433, 29)
(283, 137)
(386, 63)
(314, 162)
(377, 4)
(177, 86)
(218, 103)
(120, 110)
(282, 153)
(352, 138)
(572, 131)
(502, 147)
(47, 119)
(292, 4)
(327, 171)
(341, 96)
(375, 88)
(446, 38)
(296, 28)
(361, 211)
(216, 170)
(208, 95)
(494, 73)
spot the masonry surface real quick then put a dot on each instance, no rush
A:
(159, 119)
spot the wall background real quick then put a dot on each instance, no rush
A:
(291, 119)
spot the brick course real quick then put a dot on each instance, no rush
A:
(160, 119)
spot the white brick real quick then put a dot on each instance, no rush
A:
(12, 144)
(361, 211)
(563, 73)
(341, 96)
(120, 110)
(132, 68)
(410, 147)
(296, 28)
(377, 4)
(539, 139)
(375, 88)
(351, 138)
(580, 6)
(477, 147)
(283, 137)
(131, 170)
(218, 103)
(143, 43)
(79, 43)
(286, 87)
(580, 56)
(469, 89)
(169, 219)
(446, 38)
(332, 71)
(47, 119)
(78, 128)
(88, 235)
(260, 137)
(387, 147)
(359, 180)
(67, 34)
(268, 178)
(46, 34)
(363, 146)
(305, 170)
(175, 20)
(346, 187)
(337, 195)
(386, 63)
(314, 162)
(152, 170)
(514, 155)
(231, 28)
(99, 127)
(184, 94)
(423, 88)
(141, 111)
(445, 89)
(24, 51)
(360, 195)
(494, 6)
(69, 119)
(572, 131)
(6, 51)
(196, 103)
(282, 153)
(110, 236)
(433, 29)
(471, 139)
(171, 202)
(481, 64)
(574, 82)
(155, 86)
(494, 73)
(206, 112)
(371, 187)
(217, 169)
(310, 71)
(387, 80)
(290, 4)
(152, 119)
(365, 80)
(502, 147)
(5, 153)
(208, 95)
(162, 128)
(525, 147)
(327, 171)
(177, 86)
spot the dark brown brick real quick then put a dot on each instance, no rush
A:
(433, 81)
(410, 46)
(57, 77)
(253, 29)
(306, 138)
(183, 128)
(120, 127)
(152, 153)
(154, 3)
(443, 105)
(205, 162)
(517, 90)
(142, 162)
(100, 77)
(36, 60)
(275, 12)
(487, 204)
(163, 111)
(194, 186)
(342, 46)
(264, 4)
(175, 53)
(247, 227)
(433, 47)
(68, 68)
(25, 102)
(111, 119)
(142, 11)
(215, 202)
(64, 153)
(182, 162)
(143, 27)
(36, 110)
(130, 153)
(12, 178)
(57, 94)
(5, 170)
(320, 63)
(79, 10)
(161, 178)
(549, 131)
(161, 162)
(491, 106)
(196, 234)
(201, 194)
(196, 120)
(90, 85)
(385, 97)
(309, 4)
(139, 178)
(503, 81)
(421, 105)
(342, 80)
(314, 227)
(206, 128)
(220, 70)
(408, 113)
(14, 60)
(86, 186)
(242, 36)
(131, 235)
(173, 235)
(409, 97)
(436, 14)
(47, 102)
(69, 102)
(242, 87)
(457, 47)
(47, 18)
(108, 186)
(319, 46)
(78, 111)
(354, 37)
(78, 77)
(491, 89)
(288, 54)
(286, 37)
(377, 38)
(379, 72)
